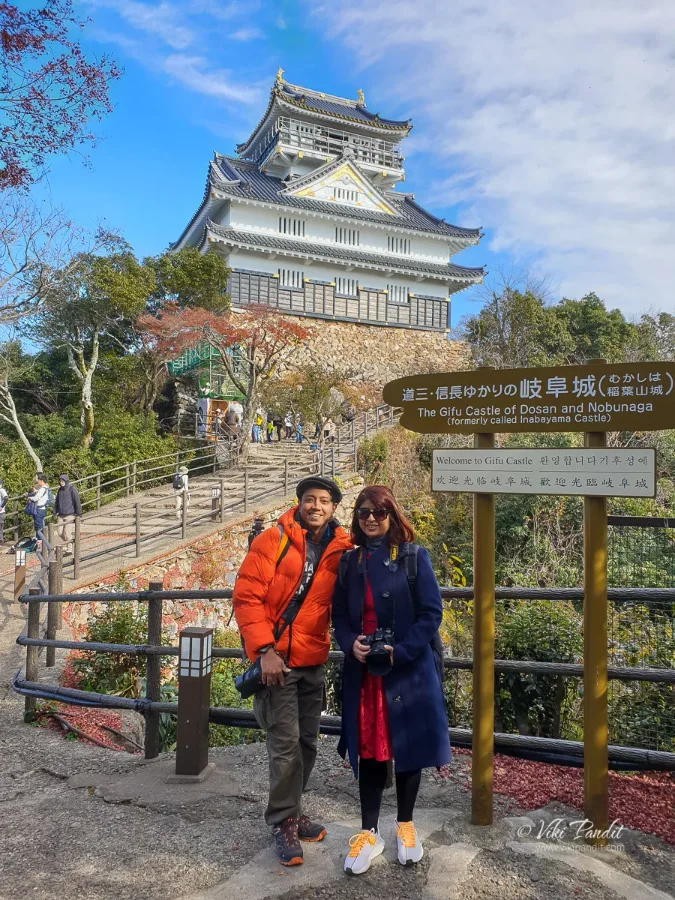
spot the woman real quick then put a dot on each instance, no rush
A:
(392, 704)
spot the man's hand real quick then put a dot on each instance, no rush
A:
(360, 650)
(273, 668)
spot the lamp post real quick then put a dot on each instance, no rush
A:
(194, 688)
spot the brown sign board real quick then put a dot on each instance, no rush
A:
(592, 397)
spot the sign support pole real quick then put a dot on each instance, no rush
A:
(482, 743)
(596, 791)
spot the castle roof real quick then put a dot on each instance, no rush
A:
(330, 252)
(244, 180)
(288, 97)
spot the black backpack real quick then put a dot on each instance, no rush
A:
(407, 552)
(177, 482)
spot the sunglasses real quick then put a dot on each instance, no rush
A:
(379, 514)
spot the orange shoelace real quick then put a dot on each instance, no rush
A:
(358, 842)
(406, 831)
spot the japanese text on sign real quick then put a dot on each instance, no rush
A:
(583, 472)
(569, 398)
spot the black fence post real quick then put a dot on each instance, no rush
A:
(32, 631)
(137, 517)
(222, 500)
(152, 671)
(54, 610)
(76, 548)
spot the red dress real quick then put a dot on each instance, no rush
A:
(374, 737)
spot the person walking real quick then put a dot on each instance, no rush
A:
(67, 507)
(38, 499)
(386, 622)
(298, 431)
(181, 491)
(270, 429)
(288, 423)
(4, 497)
(278, 424)
(291, 567)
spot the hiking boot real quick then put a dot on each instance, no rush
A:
(286, 843)
(310, 832)
(410, 850)
(363, 848)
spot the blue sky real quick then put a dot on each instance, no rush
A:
(550, 125)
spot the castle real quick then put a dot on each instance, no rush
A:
(309, 222)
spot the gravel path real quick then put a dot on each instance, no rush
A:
(77, 820)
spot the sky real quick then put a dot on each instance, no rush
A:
(550, 125)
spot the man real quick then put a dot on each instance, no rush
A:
(4, 497)
(39, 494)
(298, 561)
(181, 491)
(67, 507)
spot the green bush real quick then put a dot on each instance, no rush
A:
(121, 437)
(544, 631)
(120, 674)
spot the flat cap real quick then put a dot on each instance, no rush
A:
(317, 481)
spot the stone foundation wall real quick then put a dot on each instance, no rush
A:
(379, 354)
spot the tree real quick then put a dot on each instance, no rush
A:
(48, 88)
(37, 248)
(315, 393)
(98, 298)
(10, 366)
(515, 327)
(189, 278)
(595, 331)
(250, 345)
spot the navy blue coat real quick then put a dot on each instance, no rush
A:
(414, 694)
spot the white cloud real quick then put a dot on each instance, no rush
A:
(193, 72)
(554, 121)
(163, 21)
(247, 34)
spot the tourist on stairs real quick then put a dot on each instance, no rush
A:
(386, 613)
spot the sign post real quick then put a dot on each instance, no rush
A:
(596, 788)
(483, 708)
(594, 398)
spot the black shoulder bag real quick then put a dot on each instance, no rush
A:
(250, 682)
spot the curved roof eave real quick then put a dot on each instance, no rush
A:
(264, 243)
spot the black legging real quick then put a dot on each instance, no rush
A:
(372, 779)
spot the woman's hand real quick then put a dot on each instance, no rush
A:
(359, 650)
(391, 653)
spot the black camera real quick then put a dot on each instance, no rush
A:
(378, 661)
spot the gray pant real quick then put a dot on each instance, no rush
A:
(290, 715)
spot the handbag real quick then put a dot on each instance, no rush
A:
(30, 508)
(250, 682)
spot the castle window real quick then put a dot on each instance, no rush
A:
(293, 278)
(348, 286)
(289, 225)
(398, 244)
(398, 293)
(347, 195)
(349, 236)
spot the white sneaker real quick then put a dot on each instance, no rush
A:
(410, 850)
(363, 848)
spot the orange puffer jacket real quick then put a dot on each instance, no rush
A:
(263, 589)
